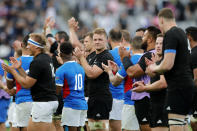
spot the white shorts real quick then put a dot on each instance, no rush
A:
(72, 117)
(129, 119)
(22, 114)
(116, 112)
(43, 111)
(11, 113)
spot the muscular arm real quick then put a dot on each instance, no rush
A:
(115, 79)
(74, 39)
(166, 64)
(58, 89)
(26, 82)
(158, 85)
(91, 71)
(22, 72)
(10, 83)
(135, 71)
(138, 69)
(9, 88)
(195, 76)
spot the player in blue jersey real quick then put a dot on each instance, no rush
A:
(23, 96)
(115, 39)
(129, 120)
(70, 77)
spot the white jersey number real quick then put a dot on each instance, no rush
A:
(78, 82)
(52, 70)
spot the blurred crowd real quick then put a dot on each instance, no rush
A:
(128, 14)
(20, 17)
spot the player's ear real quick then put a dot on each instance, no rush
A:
(189, 37)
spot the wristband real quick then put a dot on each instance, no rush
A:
(126, 62)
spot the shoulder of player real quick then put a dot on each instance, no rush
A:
(105, 56)
(175, 32)
(43, 58)
(147, 54)
(136, 56)
(61, 69)
(70, 64)
(25, 58)
(92, 54)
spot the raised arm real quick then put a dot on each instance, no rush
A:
(73, 27)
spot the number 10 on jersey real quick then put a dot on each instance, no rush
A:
(78, 82)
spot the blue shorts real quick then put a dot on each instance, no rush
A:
(4, 105)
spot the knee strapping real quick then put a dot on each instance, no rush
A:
(177, 121)
(96, 125)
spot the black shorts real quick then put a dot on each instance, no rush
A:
(179, 101)
(142, 110)
(99, 109)
(158, 115)
(194, 105)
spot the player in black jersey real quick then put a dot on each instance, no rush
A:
(54, 42)
(100, 98)
(157, 90)
(175, 66)
(192, 36)
(41, 81)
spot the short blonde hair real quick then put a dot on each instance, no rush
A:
(126, 35)
(100, 31)
(38, 38)
(166, 13)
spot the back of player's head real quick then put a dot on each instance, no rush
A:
(63, 35)
(192, 32)
(126, 35)
(141, 29)
(18, 53)
(25, 41)
(137, 42)
(66, 48)
(166, 13)
(153, 31)
(115, 35)
(100, 31)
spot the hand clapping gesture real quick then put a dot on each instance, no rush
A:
(123, 52)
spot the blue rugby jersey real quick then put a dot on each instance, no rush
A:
(128, 81)
(118, 91)
(22, 94)
(70, 76)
